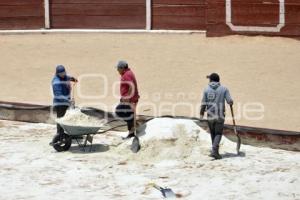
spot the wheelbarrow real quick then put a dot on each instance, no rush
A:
(74, 132)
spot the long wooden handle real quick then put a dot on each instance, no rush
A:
(73, 90)
(233, 119)
(238, 146)
(232, 113)
(157, 187)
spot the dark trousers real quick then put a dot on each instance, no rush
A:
(125, 112)
(216, 131)
(60, 112)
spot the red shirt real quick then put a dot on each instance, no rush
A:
(128, 81)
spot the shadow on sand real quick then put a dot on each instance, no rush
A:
(233, 155)
(95, 148)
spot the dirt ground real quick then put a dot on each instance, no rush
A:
(171, 70)
(31, 169)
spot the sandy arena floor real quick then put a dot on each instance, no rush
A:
(31, 169)
(170, 69)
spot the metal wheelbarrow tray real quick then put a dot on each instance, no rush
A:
(76, 132)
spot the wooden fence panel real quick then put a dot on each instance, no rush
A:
(99, 14)
(21, 14)
(254, 13)
(179, 14)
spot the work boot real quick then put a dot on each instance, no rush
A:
(130, 135)
(215, 154)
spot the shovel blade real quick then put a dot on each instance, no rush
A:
(135, 146)
(238, 144)
(168, 193)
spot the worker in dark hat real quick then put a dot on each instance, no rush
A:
(129, 97)
(213, 102)
(61, 91)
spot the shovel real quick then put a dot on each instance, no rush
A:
(72, 106)
(238, 145)
(166, 192)
(135, 145)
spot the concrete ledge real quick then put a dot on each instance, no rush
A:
(50, 31)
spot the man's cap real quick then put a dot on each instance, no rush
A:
(122, 64)
(60, 69)
(213, 77)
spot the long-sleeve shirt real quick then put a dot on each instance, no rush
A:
(213, 100)
(61, 90)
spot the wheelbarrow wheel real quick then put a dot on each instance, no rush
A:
(62, 143)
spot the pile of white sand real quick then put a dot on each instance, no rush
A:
(174, 139)
(168, 129)
(76, 118)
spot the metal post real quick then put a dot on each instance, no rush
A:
(148, 14)
(47, 14)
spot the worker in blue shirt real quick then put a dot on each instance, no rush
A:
(61, 90)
